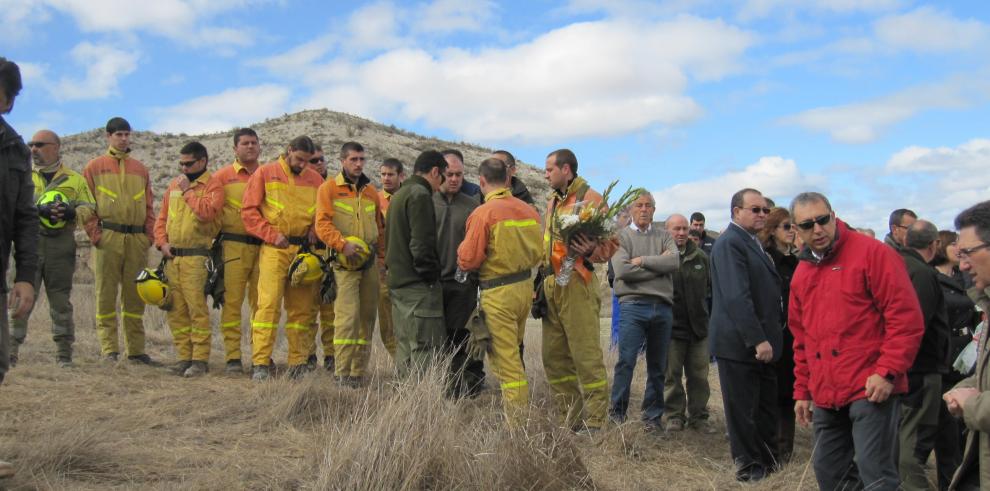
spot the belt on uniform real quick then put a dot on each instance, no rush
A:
(504, 280)
(190, 251)
(298, 241)
(124, 229)
(242, 238)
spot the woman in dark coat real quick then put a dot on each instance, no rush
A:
(778, 240)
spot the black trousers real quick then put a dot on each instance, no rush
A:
(459, 302)
(749, 396)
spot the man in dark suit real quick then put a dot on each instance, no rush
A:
(745, 336)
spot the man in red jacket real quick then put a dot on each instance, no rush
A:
(857, 326)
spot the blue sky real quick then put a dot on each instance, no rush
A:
(880, 104)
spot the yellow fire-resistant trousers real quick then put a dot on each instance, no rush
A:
(116, 263)
(240, 279)
(385, 329)
(506, 308)
(354, 310)
(572, 353)
(189, 318)
(323, 328)
(274, 292)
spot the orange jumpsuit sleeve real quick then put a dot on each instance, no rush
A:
(149, 204)
(161, 223)
(208, 206)
(326, 231)
(254, 222)
(92, 225)
(473, 249)
(380, 222)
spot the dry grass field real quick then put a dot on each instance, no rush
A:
(101, 426)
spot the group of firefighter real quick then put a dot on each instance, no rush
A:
(445, 265)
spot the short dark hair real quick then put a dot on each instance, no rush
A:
(921, 235)
(810, 197)
(946, 237)
(302, 144)
(317, 147)
(428, 160)
(509, 159)
(453, 151)
(116, 124)
(977, 216)
(493, 170)
(10, 78)
(770, 203)
(697, 217)
(349, 147)
(239, 132)
(564, 156)
(897, 215)
(694, 233)
(196, 149)
(737, 198)
(394, 164)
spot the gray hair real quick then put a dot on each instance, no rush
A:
(809, 197)
(921, 235)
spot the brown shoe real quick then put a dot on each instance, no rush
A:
(6, 469)
(196, 369)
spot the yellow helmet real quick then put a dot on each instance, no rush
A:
(364, 253)
(152, 287)
(49, 199)
(306, 269)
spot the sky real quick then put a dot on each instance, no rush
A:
(879, 104)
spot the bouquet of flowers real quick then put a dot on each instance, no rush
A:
(594, 221)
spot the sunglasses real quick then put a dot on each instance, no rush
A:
(39, 144)
(810, 224)
(317, 160)
(758, 209)
(786, 226)
(188, 163)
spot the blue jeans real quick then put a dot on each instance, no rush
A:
(615, 321)
(639, 324)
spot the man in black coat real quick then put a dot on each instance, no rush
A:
(745, 335)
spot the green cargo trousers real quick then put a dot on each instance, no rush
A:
(417, 311)
(56, 264)
(690, 359)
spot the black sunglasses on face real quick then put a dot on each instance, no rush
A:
(785, 226)
(317, 160)
(759, 209)
(39, 144)
(810, 224)
(188, 163)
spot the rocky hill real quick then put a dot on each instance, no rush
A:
(328, 128)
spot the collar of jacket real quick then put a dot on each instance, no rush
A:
(120, 155)
(343, 180)
(690, 251)
(572, 188)
(908, 252)
(497, 194)
(200, 179)
(840, 238)
(238, 167)
(7, 134)
(420, 180)
(889, 240)
(56, 169)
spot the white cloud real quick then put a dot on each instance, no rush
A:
(104, 65)
(758, 9)
(776, 177)
(446, 16)
(865, 122)
(586, 79)
(222, 111)
(927, 30)
(17, 18)
(297, 58)
(373, 27)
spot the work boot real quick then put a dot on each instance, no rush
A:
(12, 359)
(297, 372)
(353, 382)
(111, 357)
(675, 424)
(234, 367)
(143, 360)
(329, 364)
(196, 368)
(64, 361)
(311, 362)
(180, 367)
(704, 426)
(260, 373)
(6, 469)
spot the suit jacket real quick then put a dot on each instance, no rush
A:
(976, 411)
(746, 308)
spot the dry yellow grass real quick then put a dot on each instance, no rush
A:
(122, 426)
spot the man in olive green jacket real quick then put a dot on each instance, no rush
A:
(414, 265)
(689, 338)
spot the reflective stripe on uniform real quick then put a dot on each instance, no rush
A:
(274, 203)
(106, 316)
(231, 324)
(133, 315)
(296, 326)
(343, 206)
(232, 201)
(106, 192)
(520, 223)
(311, 209)
(515, 385)
(199, 331)
(369, 208)
(350, 341)
(560, 380)
(264, 325)
(182, 330)
(595, 385)
(138, 196)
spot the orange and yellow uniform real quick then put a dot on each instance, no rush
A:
(503, 243)
(385, 329)
(275, 202)
(240, 257)
(345, 208)
(121, 232)
(572, 353)
(188, 223)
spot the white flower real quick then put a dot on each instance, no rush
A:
(568, 221)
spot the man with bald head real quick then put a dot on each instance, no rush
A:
(62, 198)
(920, 406)
(688, 355)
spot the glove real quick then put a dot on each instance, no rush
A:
(68, 212)
(480, 341)
(46, 211)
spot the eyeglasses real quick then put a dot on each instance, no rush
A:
(317, 160)
(758, 209)
(810, 224)
(39, 144)
(188, 163)
(966, 253)
(786, 226)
